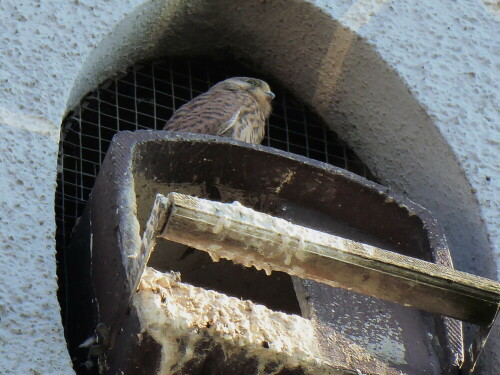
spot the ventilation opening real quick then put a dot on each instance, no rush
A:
(144, 97)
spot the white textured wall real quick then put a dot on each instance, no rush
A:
(420, 85)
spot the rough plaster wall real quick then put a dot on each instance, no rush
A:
(53, 52)
(31, 337)
(43, 48)
(447, 54)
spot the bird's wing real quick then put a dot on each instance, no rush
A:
(229, 124)
(210, 113)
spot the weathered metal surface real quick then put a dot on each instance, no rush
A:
(392, 339)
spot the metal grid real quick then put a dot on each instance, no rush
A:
(144, 97)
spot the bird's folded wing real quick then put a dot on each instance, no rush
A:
(210, 113)
(229, 124)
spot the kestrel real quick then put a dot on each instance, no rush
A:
(236, 108)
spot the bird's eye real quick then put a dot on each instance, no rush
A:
(253, 82)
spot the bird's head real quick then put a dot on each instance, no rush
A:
(258, 88)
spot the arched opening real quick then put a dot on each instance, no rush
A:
(331, 69)
(336, 73)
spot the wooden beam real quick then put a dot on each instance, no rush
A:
(251, 238)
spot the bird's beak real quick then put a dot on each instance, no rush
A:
(270, 94)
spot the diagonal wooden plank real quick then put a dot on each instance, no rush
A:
(251, 238)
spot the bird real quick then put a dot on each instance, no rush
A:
(236, 108)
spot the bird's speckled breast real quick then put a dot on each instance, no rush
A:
(251, 126)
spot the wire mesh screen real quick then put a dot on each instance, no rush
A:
(144, 97)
